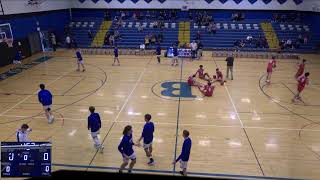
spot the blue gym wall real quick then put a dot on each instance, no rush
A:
(24, 24)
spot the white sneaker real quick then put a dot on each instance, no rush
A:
(51, 119)
(101, 149)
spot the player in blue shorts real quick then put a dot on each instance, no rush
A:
(94, 125)
(147, 136)
(116, 56)
(175, 56)
(158, 52)
(125, 148)
(80, 60)
(45, 98)
(185, 153)
(17, 61)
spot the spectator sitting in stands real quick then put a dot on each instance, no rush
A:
(134, 16)
(111, 40)
(117, 35)
(142, 47)
(90, 34)
(146, 41)
(282, 44)
(155, 24)
(107, 15)
(160, 37)
(235, 17)
(140, 28)
(296, 44)
(148, 15)
(239, 44)
(288, 44)
(123, 15)
(198, 35)
(305, 39)
(300, 38)
(153, 39)
(106, 39)
(283, 18)
(276, 18)
(249, 39)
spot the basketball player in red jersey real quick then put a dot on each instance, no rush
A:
(207, 90)
(302, 81)
(202, 75)
(300, 69)
(271, 65)
(191, 80)
(219, 77)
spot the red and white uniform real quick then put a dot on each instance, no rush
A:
(219, 75)
(302, 81)
(191, 81)
(271, 63)
(208, 90)
(201, 73)
(300, 70)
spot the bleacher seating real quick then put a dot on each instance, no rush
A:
(79, 30)
(227, 33)
(291, 31)
(131, 38)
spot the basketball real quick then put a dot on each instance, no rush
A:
(214, 77)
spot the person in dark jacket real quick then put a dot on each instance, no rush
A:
(230, 60)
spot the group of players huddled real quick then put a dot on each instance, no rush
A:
(206, 90)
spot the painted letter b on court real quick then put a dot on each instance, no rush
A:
(177, 89)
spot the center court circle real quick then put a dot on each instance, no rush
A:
(175, 89)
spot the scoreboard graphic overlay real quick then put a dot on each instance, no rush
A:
(25, 159)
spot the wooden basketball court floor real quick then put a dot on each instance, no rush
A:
(246, 130)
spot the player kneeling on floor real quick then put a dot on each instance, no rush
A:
(207, 90)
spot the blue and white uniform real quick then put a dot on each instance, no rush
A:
(158, 51)
(125, 148)
(17, 58)
(23, 136)
(94, 125)
(45, 98)
(79, 57)
(185, 153)
(147, 134)
(116, 52)
(175, 53)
